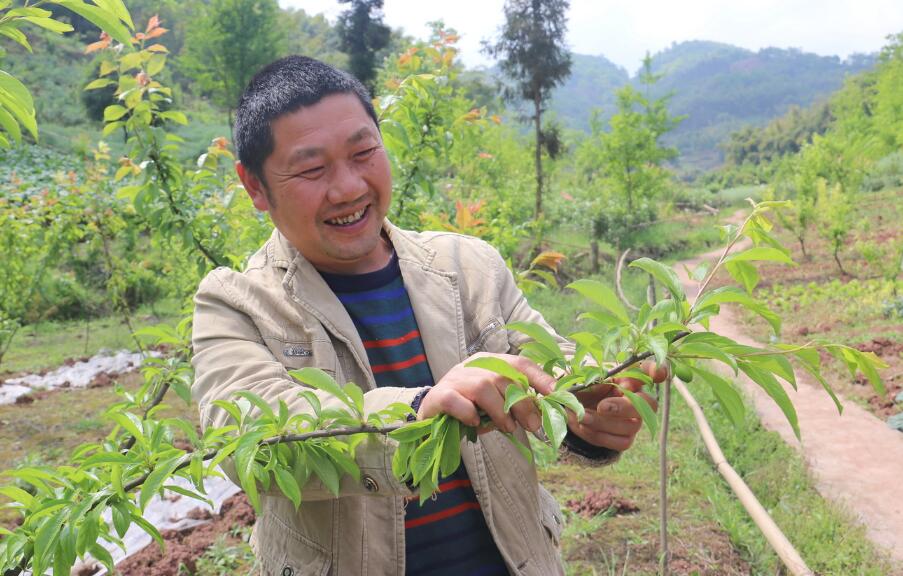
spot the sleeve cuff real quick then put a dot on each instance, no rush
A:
(587, 453)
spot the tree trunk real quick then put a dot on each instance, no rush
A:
(537, 120)
(594, 249)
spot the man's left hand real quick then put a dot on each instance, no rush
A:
(611, 421)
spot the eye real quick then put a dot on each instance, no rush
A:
(364, 154)
(314, 172)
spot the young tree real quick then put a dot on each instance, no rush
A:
(363, 34)
(626, 161)
(534, 56)
(232, 40)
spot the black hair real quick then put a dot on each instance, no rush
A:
(281, 88)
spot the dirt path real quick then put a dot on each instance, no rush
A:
(856, 459)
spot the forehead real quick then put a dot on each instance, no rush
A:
(337, 119)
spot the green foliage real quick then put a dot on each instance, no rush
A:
(362, 35)
(534, 57)
(624, 165)
(228, 43)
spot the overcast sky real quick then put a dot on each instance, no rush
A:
(623, 30)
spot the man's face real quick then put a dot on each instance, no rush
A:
(328, 185)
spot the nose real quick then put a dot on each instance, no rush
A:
(347, 184)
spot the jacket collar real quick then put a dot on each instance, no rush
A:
(282, 254)
(433, 292)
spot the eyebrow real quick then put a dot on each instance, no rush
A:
(305, 153)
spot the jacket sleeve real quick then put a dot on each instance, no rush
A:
(515, 308)
(230, 356)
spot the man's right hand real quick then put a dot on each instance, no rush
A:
(463, 392)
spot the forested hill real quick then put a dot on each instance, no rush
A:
(720, 88)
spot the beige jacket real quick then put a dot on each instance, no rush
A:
(279, 314)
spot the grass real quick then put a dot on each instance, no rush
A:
(49, 344)
(817, 302)
(710, 532)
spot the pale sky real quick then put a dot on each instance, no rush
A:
(623, 30)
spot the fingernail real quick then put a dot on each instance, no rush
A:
(533, 422)
(611, 408)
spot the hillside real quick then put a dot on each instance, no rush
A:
(720, 88)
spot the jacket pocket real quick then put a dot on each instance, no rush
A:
(284, 552)
(551, 517)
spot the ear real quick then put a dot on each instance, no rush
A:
(254, 187)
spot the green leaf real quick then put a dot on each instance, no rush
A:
(49, 24)
(513, 395)
(774, 389)
(450, 459)
(316, 378)
(601, 295)
(104, 20)
(659, 346)
(568, 400)
(103, 556)
(354, 392)
(265, 409)
(412, 431)
(160, 474)
(175, 116)
(122, 517)
(761, 253)
(744, 273)
(554, 421)
(230, 408)
(729, 399)
(16, 98)
(706, 350)
(45, 540)
(539, 334)
(114, 112)
(732, 294)
(500, 367)
(324, 469)
(16, 494)
(149, 528)
(289, 486)
(663, 274)
(645, 410)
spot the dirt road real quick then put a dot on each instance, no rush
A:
(856, 459)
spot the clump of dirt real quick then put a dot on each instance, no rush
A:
(103, 379)
(183, 548)
(884, 347)
(598, 501)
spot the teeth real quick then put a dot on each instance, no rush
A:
(349, 219)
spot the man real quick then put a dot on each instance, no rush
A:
(399, 313)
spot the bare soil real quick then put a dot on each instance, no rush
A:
(183, 548)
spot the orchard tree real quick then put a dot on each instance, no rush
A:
(230, 42)
(625, 162)
(534, 56)
(362, 34)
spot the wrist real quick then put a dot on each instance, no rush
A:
(417, 401)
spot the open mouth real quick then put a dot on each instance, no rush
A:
(350, 219)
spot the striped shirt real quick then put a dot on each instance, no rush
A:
(379, 306)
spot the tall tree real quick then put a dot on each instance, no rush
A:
(230, 42)
(363, 34)
(534, 56)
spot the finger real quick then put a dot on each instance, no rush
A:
(604, 439)
(593, 395)
(451, 402)
(632, 384)
(491, 400)
(617, 426)
(527, 415)
(622, 407)
(539, 380)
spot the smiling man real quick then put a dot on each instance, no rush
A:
(397, 312)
